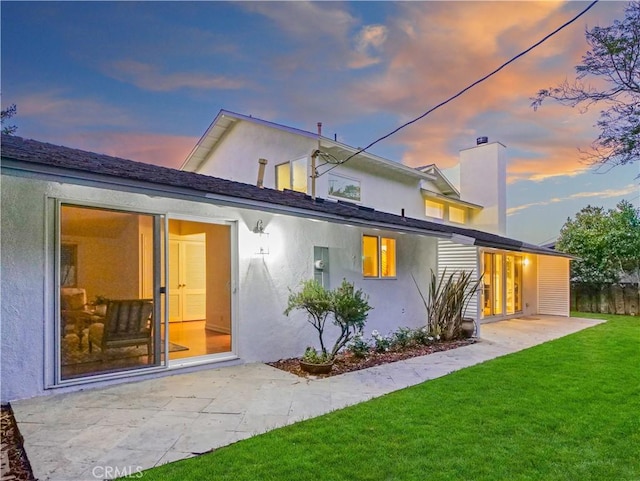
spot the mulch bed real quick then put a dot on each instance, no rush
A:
(347, 362)
(14, 465)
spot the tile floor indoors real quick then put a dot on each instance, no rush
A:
(87, 435)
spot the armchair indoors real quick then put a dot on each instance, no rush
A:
(74, 312)
(126, 323)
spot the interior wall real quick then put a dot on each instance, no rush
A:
(107, 265)
(218, 261)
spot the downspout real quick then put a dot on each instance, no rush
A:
(314, 156)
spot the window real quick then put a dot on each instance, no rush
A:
(292, 175)
(378, 256)
(502, 284)
(457, 215)
(108, 265)
(434, 209)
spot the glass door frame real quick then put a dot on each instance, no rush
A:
(499, 273)
(53, 343)
(233, 274)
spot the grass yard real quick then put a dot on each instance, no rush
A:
(566, 410)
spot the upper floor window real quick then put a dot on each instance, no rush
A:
(434, 209)
(292, 175)
(378, 256)
(457, 215)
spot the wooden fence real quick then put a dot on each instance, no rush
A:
(615, 299)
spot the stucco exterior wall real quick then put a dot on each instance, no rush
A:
(261, 331)
(236, 158)
(386, 192)
(483, 181)
(22, 282)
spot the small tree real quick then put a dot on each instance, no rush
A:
(316, 301)
(350, 309)
(348, 306)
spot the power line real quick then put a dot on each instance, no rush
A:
(513, 59)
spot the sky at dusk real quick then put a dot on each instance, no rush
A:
(143, 80)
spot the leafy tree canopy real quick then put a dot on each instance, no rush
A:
(606, 242)
(613, 60)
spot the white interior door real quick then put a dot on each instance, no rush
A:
(194, 285)
(187, 280)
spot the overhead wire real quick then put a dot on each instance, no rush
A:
(453, 97)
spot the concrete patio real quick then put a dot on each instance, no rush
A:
(99, 433)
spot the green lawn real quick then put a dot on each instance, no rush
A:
(566, 410)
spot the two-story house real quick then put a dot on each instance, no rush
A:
(196, 267)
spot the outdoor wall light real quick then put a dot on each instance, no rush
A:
(262, 241)
(525, 261)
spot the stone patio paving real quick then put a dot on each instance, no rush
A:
(97, 433)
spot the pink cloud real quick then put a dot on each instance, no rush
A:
(55, 107)
(435, 49)
(152, 148)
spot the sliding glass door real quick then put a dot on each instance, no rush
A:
(502, 280)
(109, 273)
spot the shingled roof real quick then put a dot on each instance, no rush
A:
(32, 155)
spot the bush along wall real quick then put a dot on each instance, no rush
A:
(614, 299)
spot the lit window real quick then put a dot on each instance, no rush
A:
(457, 215)
(292, 175)
(283, 176)
(378, 256)
(434, 209)
(369, 256)
(387, 257)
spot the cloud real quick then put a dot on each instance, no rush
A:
(603, 194)
(322, 33)
(308, 22)
(148, 77)
(152, 148)
(435, 49)
(90, 124)
(368, 42)
(57, 109)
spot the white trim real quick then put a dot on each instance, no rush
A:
(233, 284)
(53, 374)
(379, 238)
(51, 308)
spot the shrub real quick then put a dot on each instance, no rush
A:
(358, 347)
(349, 307)
(380, 342)
(402, 338)
(448, 299)
(316, 301)
(312, 357)
(423, 336)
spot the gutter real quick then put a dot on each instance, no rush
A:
(102, 181)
